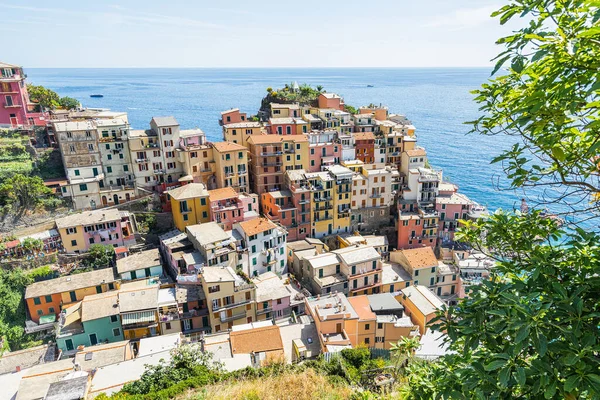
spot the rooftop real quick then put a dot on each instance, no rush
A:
(269, 287)
(455, 198)
(392, 273)
(362, 307)
(364, 136)
(256, 340)
(421, 257)
(273, 139)
(223, 147)
(416, 152)
(229, 111)
(70, 282)
(384, 302)
(332, 305)
(423, 299)
(256, 226)
(219, 274)
(189, 191)
(74, 388)
(222, 194)
(357, 254)
(277, 194)
(10, 360)
(137, 261)
(330, 95)
(247, 124)
(100, 355)
(207, 233)
(95, 306)
(138, 299)
(37, 380)
(165, 121)
(88, 218)
(322, 260)
(158, 344)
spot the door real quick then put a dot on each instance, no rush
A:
(69, 344)
(93, 339)
(338, 328)
(127, 197)
(439, 291)
(187, 325)
(104, 201)
(73, 296)
(95, 171)
(116, 199)
(13, 120)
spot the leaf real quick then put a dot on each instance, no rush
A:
(522, 334)
(571, 382)
(558, 153)
(594, 378)
(521, 376)
(494, 365)
(504, 376)
(550, 390)
(570, 359)
(499, 64)
(543, 344)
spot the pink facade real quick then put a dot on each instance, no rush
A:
(233, 116)
(281, 129)
(113, 233)
(279, 207)
(15, 107)
(331, 100)
(225, 210)
(324, 155)
(450, 214)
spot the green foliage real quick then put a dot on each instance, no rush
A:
(45, 97)
(350, 109)
(99, 256)
(23, 192)
(146, 222)
(41, 273)
(304, 95)
(68, 103)
(12, 306)
(49, 165)
(549, 99)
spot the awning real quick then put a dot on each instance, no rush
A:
(186, 178)
(138, 317)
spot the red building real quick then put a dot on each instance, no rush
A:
(365, 147)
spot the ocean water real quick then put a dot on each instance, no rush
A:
(437, 101)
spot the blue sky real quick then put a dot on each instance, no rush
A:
(308, 33)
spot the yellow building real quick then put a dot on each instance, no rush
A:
(189, 205)
(242, 131)
(231, 165)
(198, 164)
(230, 299)
(138, 307)
(420, 304)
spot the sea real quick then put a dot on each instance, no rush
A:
(438, 101)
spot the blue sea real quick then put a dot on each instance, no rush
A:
(437, 101)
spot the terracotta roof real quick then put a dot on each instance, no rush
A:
(189, 191)
(267, 139)
(256, 340)
(364, 136)
(422, 257)
(222, 194)
(362, 306)
(416, 152)
(227, 146)
(256, 225)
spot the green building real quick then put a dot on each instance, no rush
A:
(91, 321)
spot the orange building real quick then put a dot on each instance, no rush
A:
(278, 206)
(365, 147)
(367, 320)
(331, 100)
(226, 208)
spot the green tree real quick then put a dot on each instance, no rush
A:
(45, 97)
(403, 351)
(23, 192)
(99, 256)
(532, 330)
(68, 103)
(12, 306)
(32, 245)
(350, 109)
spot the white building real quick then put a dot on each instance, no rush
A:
(263, 246)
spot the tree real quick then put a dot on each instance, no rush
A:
(23, 192)
(99, 256)
(320, 88)
(68, 103)
(32, 245)
(403, 351)
(531, 331)
(350, 109)
(12, 306)
(45, 97)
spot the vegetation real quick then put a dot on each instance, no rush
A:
(22, 193)
(146, 222)
(350, 109)
(532, 330)
(49, 165)
(49, 99)
(99, 256)
(305, 94)
(12, 307)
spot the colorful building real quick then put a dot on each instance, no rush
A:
(108, 227)
(45, 299)
(421, 305)
(263, 246)
(138, 308)
(365, 146)
(325, 150)
(336, 321)
(189, 205)
(197, 159)
(227, 208)
(272, 297)
(241, 132)
(231, 165)
(421, 263)
(17, 109)
(142, 265)
(330, 100)
(362, 267)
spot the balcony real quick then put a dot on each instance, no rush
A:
(231, 305)
(271, 164)
(12, 105)
(375, 195)
(141, 160)
(233, 317)
(264, 310)
(365, 271)
(430, 226)
(305, 201)
(269, 262)
(271, 153)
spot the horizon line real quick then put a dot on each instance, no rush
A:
(270, 67)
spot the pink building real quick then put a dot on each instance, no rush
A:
(225, 207)
(324, 150)
(451, 207)
(278, 206)
(272, 297)
(16, 109)
(233, 116)
(331, 100)
(287, 126)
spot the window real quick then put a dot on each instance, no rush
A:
(114, 318)
(254, 248)
(77, 172)
(367, 327)
(374, 264)
(50, 310)
(73, 243)
(37, 301)
(185, 217)
(431, 281)
(214, 289)
(320, 272)
(379, 325)
(92, 240)
(367, 340)
(83, 187)
(433, 269)
(116, 332)
(416, 272)
(48, 298)
(168, 325)
(40, 312)
(109, 169)
(90, 147)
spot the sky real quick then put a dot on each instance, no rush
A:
(242, 33)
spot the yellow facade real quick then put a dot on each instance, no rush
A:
(240, 133)
(198, 161)
(137, 333)
(229, 305)
(66, 298)
(295, 149)
(231, 166)
(73, 241)
(194, 211)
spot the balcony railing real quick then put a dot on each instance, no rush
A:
(230, 305)
(233, 317)
(264, 310)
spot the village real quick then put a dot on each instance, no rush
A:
(312, 227)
